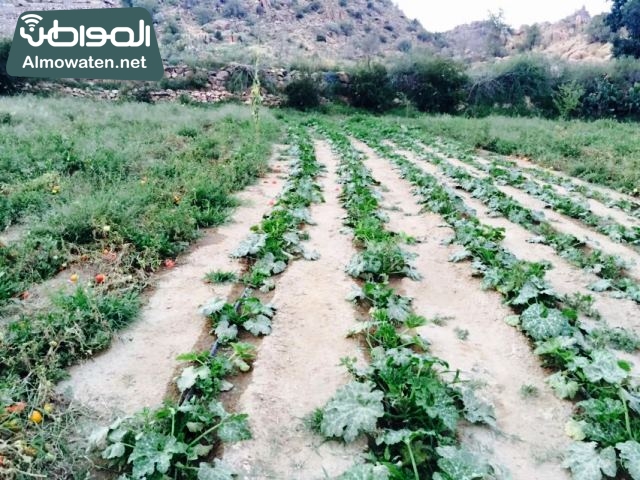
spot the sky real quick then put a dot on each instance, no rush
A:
(442, 15)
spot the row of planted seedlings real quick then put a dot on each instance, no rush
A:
(611, 269)
(625, 205)
(408, 403)
(180, 439)
(605, 425)
(566, 205)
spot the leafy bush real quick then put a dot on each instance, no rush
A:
(303, 93)
(433, 85)
(371, 89)
(522, 86)
(204, 14)
(234, 9)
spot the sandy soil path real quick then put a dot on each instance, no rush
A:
(297, 369)
(530, 430)
(136, 370)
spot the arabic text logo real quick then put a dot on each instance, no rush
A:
(97, 36)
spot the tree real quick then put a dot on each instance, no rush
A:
(497, 34)
(433, 84)
(624, 20)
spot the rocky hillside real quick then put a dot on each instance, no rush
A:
(577, 37)
(284, 30)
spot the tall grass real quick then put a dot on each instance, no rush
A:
(605, 152)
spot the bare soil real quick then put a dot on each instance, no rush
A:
(530, 431)
(297, 369)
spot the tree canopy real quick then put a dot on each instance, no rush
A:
(624, 19)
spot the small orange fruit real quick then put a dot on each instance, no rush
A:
(74, 278)
(35, 417)
(100, 278)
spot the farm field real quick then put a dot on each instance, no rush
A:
(207, 293)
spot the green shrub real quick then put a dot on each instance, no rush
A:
(521, 86)
(371, 89)
(303, 94)
(433, 85)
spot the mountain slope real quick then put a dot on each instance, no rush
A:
(328, 30)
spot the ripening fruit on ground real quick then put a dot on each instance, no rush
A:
(74, 278)
(17, 407)
(169, 263)
(100, 278)
(35, 417)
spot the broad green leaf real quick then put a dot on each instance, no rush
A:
(218, 471)
(354, 409)
(190, 375)
(528, 292)
(477, 410)
(234, 428)
(587, 463)
(98, 438)
(603, 366)
(251, 245)
(201, 451)
(195, 427)
(575, 430)
(260, 325)
(398, 308)
(366, 472)
(438, 404)
(601, 285)
(225, 332)
(459, 464)
(562, 387)
(460, 256)
(115, 450)
(512, 320)
(213, 306)
(153, 453)
(555, 344)
(393, 437)
(543, 323)
(630, 457)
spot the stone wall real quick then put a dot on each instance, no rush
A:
(205, 86)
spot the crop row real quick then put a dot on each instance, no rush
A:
(627, 206)
(610, 268)
(180, 438)
(407, 402)
(607, 413)
(563, 204)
